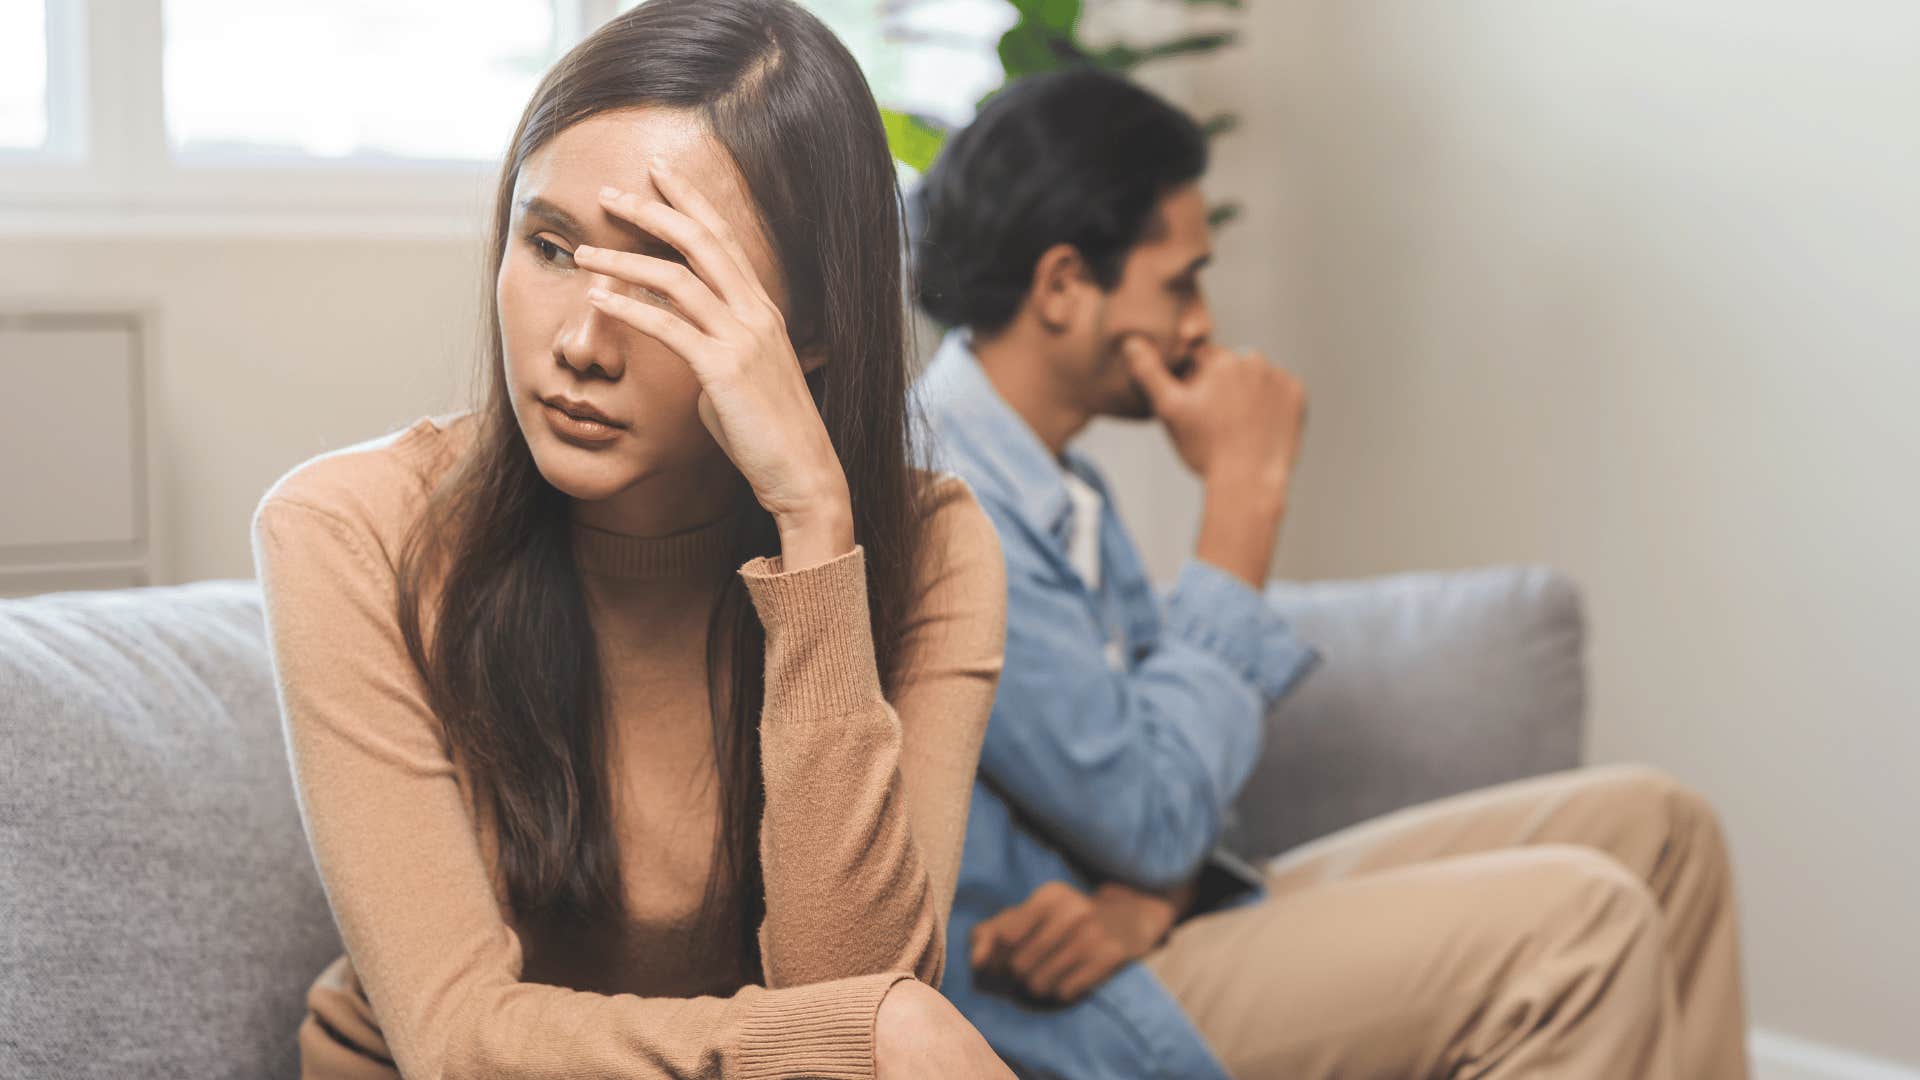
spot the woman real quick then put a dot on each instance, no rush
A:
(634, 714)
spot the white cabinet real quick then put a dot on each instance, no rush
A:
(74, 499)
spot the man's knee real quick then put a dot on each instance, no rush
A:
(1596, 935)
(1686, 821)
(1581, 871)
(1694, 817)
(1587, 901)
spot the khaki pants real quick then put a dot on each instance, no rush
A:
(1575, 925)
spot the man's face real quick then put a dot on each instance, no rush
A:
(1157, 298)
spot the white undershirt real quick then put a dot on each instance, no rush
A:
(1083, 547)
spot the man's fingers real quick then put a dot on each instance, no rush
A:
(1032, 925)
(994, 939)
(1149, 369)
(1210, 356)
(1058, 925)
(1091, 972)
(986, 940)
(1077, 947)
(1014, 924)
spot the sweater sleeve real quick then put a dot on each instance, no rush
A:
(866, 798)
(405, 874)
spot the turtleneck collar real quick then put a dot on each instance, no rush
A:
(697, 553)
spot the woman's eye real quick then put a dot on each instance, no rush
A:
(552, 253)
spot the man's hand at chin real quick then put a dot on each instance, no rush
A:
(1236, 421)
(1227, 412)
(1061, 943)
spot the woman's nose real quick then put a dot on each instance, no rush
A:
(591, 338)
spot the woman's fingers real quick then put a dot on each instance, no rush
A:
(709, 260)
(691, 201)
(670, 279)
(654, 321)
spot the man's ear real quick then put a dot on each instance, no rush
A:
(1060, 282)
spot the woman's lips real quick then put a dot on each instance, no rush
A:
(581, 410)
(579, 429)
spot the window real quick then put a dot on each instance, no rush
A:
(23, 75)
(931, 57)
(374, 79)
(940, 55)
(40, 88)
(356, 114)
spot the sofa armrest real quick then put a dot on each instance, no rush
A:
(160, 914)
(1430, 684)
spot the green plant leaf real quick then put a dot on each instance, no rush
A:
(1028, 48)
(1059, 16)
(1124, 57)
(1023, 50)
(1045, 38)
(914, 140)
(1219, 125)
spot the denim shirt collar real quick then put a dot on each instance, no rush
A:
(976, 422)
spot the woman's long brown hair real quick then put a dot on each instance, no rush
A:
(504, 645)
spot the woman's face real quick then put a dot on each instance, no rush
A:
(558, 345)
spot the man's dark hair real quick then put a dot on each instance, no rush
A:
(1080, 156)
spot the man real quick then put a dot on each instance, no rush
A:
(1579, 925)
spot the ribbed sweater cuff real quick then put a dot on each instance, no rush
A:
(823, 1030)
(820, 659)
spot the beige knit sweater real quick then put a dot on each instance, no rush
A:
(866, 798)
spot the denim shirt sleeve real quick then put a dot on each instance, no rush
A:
(1215, 611)
(1129, 771)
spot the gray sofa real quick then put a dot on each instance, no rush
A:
(159, 912)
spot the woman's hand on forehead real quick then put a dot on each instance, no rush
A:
(754, 397)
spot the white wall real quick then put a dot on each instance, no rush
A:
(1632, 288)
(1628, 287)
(268, 350)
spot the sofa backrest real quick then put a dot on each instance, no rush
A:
(159, 910)
(1431, 684)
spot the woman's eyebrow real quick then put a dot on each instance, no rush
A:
(536, 207)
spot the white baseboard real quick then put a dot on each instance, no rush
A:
(1789, 1057)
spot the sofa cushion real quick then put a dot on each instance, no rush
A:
(1430, 684)
(159, 911)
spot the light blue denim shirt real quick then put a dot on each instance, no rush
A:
(1124, 727)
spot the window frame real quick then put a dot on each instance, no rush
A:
(106, 168)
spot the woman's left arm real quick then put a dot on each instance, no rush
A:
(866, 798)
